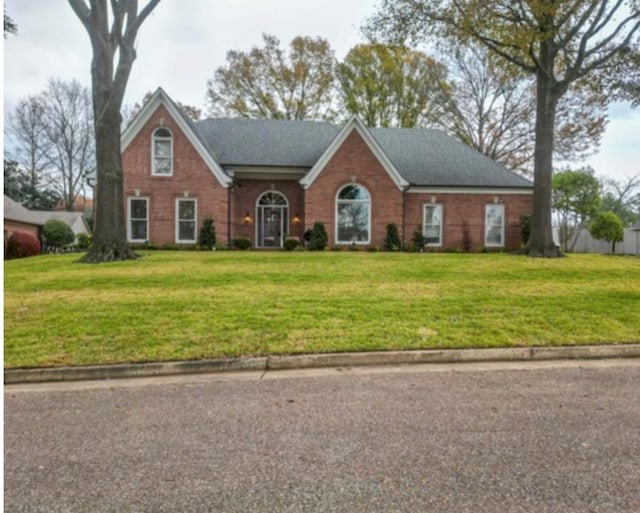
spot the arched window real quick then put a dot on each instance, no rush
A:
(272, 215)
(353, 215)
(162, 149)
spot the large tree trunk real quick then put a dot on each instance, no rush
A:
(541, 242)
(110, 239)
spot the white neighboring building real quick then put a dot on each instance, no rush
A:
(75, 220)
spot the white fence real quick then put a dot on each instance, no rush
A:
(630, 245)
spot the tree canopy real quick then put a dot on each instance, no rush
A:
(270, 82)
(576, 198)
(392, 86)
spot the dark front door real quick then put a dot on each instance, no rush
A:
(272, 227)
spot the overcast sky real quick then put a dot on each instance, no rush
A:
(184, 41)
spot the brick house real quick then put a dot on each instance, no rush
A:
(266, 179)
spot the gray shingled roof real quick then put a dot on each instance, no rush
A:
(258, 142)
(426, 157)
(14, 211)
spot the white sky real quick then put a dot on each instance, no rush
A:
(184, 41)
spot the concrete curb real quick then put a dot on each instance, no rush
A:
(16, 376)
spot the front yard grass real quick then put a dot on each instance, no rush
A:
(194, 305)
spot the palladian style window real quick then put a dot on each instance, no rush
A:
(353, 215)
(494, 225)
(162, 162)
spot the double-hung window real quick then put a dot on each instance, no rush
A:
(186, 209)
(494, 226)
(138, 220)
(432, 230)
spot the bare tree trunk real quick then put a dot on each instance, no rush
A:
(541, 242)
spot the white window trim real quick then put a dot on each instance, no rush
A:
(129, 199)
(424, 223)
(339, 202)
(177, 222)
(486, 226)
(154, 137)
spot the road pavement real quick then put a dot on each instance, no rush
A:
(513, 437)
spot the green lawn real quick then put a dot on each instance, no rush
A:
(191, 305)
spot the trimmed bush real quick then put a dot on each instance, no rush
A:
(57, 234)
(290, 244)
(467, 243)
(392, 241)
(241, 243)
(21, 245)
(525, 229)
(207, 234)
(83, 241)
(418, 240)
(319, 238)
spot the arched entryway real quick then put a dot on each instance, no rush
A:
(272, 219)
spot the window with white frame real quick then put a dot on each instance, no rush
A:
(162, 161)
(353, 215)
(432, 230)
(186, 220)
(138, 222)
(494, 225)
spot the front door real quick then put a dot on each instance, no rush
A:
(272, 216)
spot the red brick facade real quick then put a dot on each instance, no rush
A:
(353, 162)
(467, 211)
(191, 179)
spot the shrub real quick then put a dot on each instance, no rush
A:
(207, 239)
(418, 240)
(467, 243)
(319, 238)
(525, 229)
(392, 240)
(290, 243)
(372, 249)
(57, 234)
(306, 237)
(241, 243)
(22, 245)
(607, 226)
(170, 246)
(83, 241)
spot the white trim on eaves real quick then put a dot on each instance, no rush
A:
(161, 98)
(469, 190)
(354, 124)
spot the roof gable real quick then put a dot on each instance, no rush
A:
(187, 127)
(354, 124)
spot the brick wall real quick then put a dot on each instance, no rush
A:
(244, 198)
(354, 162)
(190, 175)
(469, 208)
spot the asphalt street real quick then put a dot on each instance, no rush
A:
(537, 437)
